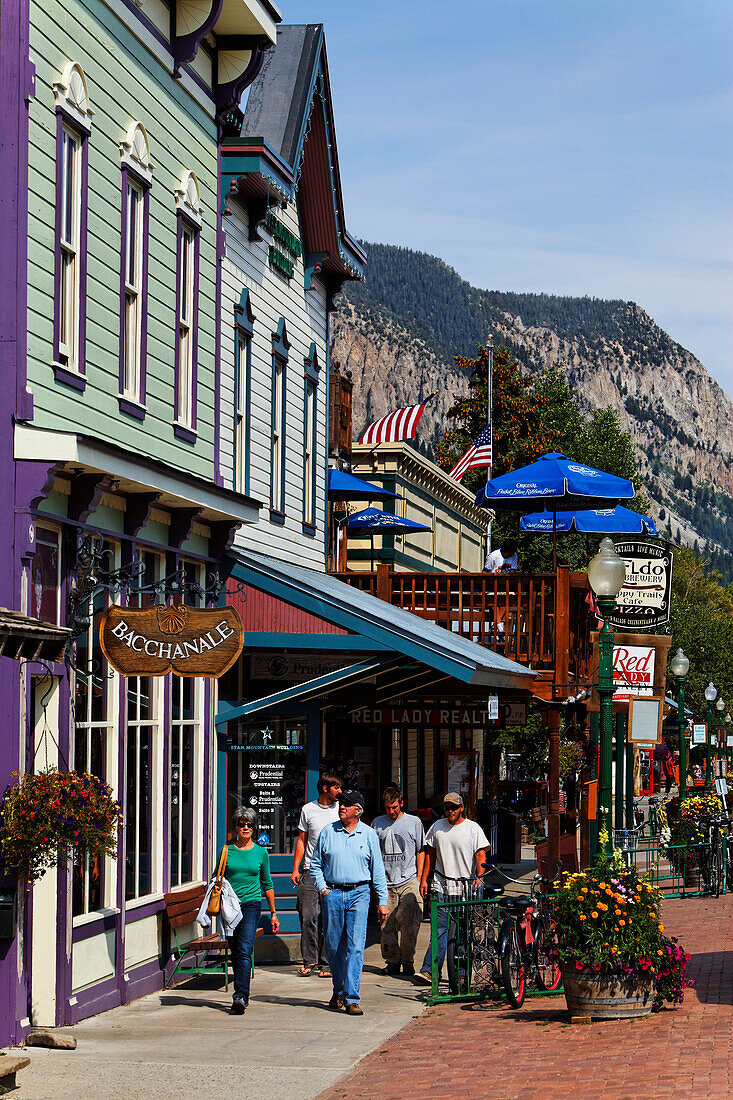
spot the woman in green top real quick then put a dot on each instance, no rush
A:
(248, 871)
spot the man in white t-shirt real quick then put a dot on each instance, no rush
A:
(313, 819)
(456, 852)
(503, 560)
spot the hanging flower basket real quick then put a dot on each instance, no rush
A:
(51, 815)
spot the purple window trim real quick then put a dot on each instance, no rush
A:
(75, 378)
(187, 432)
(105, 922)
(139, 912)
(131, 407)
(134, 408)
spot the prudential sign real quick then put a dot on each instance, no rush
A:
(643, 602)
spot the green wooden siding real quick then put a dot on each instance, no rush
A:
(125, 84)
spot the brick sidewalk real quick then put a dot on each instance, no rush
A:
(494, 1053)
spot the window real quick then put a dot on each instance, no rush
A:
(280, 348)
(133, 290)
(73, 126)
(92, 733)
(241, 414)
(309, 459)
(137, 177)
(185, 724)
(142, 757)
(310, 437)
(69, 245)
(187, 308)
(244, 331)
(188, 208)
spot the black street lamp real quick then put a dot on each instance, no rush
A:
(679, 667)
(720, 707)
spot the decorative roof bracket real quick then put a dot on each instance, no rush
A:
(239, 59)
(185, 46)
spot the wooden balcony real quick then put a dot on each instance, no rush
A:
(542, 620)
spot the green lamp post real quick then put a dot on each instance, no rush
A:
(711, 694)
(728, 721)
(720, 707)
(606, 576)
(679, 667)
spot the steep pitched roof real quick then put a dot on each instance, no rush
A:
(287, 144)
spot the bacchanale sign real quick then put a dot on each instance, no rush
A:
(188, 641)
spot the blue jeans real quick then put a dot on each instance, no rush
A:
(241, 946)
(344, 928)
(442, 926)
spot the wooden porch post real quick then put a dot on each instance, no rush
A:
(383, 582)
(553, 814)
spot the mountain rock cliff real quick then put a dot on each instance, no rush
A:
(399, 331)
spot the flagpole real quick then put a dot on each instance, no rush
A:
(489, 399)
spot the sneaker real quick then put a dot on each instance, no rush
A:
(354, 1010)
(408, 970)
(238, 1008)
(336, 1002)
(424, 978)
(392, 969)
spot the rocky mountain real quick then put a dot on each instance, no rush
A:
(399, 331)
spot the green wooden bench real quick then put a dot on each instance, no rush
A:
(211, 953)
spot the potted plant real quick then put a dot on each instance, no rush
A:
(615, 960)
(51, 815)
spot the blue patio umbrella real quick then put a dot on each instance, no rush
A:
(601, 521)
(372, 520)
(554, 481)
(344, 486)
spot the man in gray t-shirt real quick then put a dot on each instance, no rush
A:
(401, 839)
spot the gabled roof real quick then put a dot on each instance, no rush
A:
(287, 144)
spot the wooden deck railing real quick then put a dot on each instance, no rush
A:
(540, 619)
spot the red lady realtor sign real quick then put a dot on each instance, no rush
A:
(633, 670)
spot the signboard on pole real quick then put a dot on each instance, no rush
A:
(644, 601)
(633, 670)
(699, 733)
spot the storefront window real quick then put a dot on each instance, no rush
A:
(92, 733)
(184, 727)
(266, 770)
(143, 732)
(46, 575)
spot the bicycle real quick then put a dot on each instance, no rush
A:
(487, 958)
(713, 862)
(530, 943)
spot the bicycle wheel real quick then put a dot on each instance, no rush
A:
(512, 964)
(547, 969)
(716, 866)
(456, 958)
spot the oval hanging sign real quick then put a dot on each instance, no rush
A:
(188, 641)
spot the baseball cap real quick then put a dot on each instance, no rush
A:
(452, 799)
(352, 798)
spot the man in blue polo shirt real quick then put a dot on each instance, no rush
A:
(346, 862)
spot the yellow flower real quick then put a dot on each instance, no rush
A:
(660, 952)
(580, 897)
(621, 923)
(582, 916)
(602, 885)
(617, 912)
(584, 889)
(661, 927)
(603, 906)
(594, 915)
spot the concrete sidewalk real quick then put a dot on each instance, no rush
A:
(183, 1042)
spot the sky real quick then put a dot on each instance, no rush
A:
(565, 146)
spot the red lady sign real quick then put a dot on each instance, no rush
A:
(633, 670)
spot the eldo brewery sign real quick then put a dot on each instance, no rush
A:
(643, 602)
(188, 641)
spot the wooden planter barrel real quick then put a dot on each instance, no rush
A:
(608, 996)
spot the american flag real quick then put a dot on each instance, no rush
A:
(395, 427)
(478, 454)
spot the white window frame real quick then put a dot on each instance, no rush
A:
(309, 446)
(133, 261)
(70, 169)
(241, 411)
(186, 324)
(277, 450)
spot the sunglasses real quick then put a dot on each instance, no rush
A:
(451, 806)
(245, 825)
